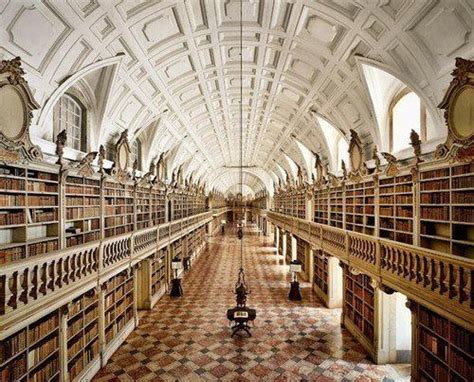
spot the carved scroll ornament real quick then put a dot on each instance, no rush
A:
(356, 157)
(458, 105)
(16, 106)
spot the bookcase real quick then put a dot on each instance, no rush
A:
(288, 247)
(82, 210)
(447, 209)
(336, 206)
(178, 206)
(118, 304)
(321, 201)
(142, 207)
(300, 211)
(360, 207)
(118, 210)
(320, 271)
(32, 354)
(158, 206)
(396, 203)
(82, 335)
(301, 253)
(29, 212)
(359, 303)
(445, 351)
(158, 272)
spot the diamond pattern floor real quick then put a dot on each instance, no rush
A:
(188, 339)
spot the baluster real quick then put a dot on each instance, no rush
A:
(34, 282)
(442, 278)
(59, 273)
(462, 285)
(435, 274)
(23, 295)
(43, 279)
(66, 267)
(419, 276)
(452, 281)
(4, 293)
(13, 286)
(411, 267)
(50, 275)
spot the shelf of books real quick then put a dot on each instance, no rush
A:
(142, 207)
(396, 215)
(32, 354)
(82, 333)
(300, 211)
(301, 253)
(82, 210)
(158, 272)
(359, 303)
(447, 209)
(288, 255)
(158, 206)
(445, 351)
(118, 201)
(29, 213)
(178, 205)
(321, 201)
(118, 305)
(336, 206)
(360, 207)
(320, 271)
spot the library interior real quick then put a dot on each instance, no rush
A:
(236, 190)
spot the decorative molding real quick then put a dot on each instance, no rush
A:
(392, 168)
(16, 105)
(84, 167)
(458, 112)
(356, 157)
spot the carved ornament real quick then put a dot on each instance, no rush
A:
(458, 106)
(16, 105)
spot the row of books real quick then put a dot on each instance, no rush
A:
(434, 185)
(12, 254)
(43, 216)
(435, 213)
(463, 182)
(82, 201)
(40, 352)
(42, 328)
(12, 218)
(43, 247)
(81, 180)
(47, 371)
(86, 190)
(113, 221)
(463, 214)
(118, 210)
(42, 200)
(12, 346)
(435, 198)
(12, 200)
(14, 370)
(461, 197)
(77, 365)
(42, 187)
(74, 213)
(12, 184)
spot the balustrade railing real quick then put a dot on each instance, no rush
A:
(51, 277)
(434, 278)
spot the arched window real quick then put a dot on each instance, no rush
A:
(137, 153)
(69, 115)
(406, 113)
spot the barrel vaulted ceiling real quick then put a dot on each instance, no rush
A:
(175, 84)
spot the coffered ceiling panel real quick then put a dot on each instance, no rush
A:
(179, 78)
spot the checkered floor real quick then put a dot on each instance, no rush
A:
(188, 338)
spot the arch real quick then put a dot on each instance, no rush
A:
(382, 83)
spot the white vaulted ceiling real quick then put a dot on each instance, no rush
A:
(183, 57)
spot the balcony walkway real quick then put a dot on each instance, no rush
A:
(189, 338)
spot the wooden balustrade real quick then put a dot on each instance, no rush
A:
(28, 286)
(441, 281)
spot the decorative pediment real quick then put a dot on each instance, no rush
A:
(16, 106)
(458, 105)
(122, 158)
(392, 168)
(84, 167)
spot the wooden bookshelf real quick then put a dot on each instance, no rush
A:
(158, 271)
(320, 271)
(118, 205)
(301, 205)
(142, 207)
(301, 253)
(447, 209)
(29, 213)
(396, 204)
(32, 354)
(336, 206)
(359, 303)
(321, 202)
(445, 351)
(118, 304)
(360, 207)
(158, 206)
(82, 334)
(82, 210)
(178, 206)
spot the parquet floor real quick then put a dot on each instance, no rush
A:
(188, 338)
